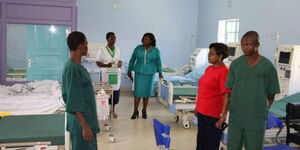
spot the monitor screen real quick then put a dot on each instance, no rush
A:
(284, 57)
(232, 51)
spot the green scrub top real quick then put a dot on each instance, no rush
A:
(145, 62)
(250, 87)
(78, 95)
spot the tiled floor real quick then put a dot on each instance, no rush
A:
(138, 134)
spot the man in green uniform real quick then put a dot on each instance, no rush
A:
(254, 83)
(78, 94)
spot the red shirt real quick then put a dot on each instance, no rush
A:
(211, 90)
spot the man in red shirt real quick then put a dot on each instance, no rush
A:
(211, 94)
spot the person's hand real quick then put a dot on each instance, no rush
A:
(219, 123)
(270, 103)
(160, 76)
(87, 133)
(195, 112)
(119, 64)
(109, 65)
(129, 75)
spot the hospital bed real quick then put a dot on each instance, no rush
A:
(278, 107)
(32, 130)
(178, 93)
(171, 76)
(179, 98)
(39, 97)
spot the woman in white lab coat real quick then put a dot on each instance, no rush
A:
(109, 56)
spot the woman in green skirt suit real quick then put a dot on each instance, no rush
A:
(145, 62)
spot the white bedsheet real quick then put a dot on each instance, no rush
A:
(39, 97)
(26, 105)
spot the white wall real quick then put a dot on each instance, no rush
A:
(265, 16)
(173, 22)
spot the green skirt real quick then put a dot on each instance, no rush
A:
(143, 85)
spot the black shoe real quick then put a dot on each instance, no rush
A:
(144, 114)
(135, 115)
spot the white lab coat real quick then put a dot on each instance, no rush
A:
(104, 57)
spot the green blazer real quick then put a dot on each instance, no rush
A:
(145, 62)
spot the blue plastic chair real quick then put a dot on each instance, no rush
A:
(279, 147)
(162, 134)
(275, 122)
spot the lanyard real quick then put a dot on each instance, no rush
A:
(111, 52)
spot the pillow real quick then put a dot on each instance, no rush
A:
(197, 73)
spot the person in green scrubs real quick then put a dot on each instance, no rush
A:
(145, 62)
(78, 95)
(254, 83)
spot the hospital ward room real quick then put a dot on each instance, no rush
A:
(149, 75)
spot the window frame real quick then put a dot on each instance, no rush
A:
(224, 32)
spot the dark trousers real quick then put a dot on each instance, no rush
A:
(208, 136)
(116, 97)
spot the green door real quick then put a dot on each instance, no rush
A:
(46, 51)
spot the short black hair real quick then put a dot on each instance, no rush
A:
(253, 35)
(74, 39)
(221, 49)
(108, 34)
(151, 37)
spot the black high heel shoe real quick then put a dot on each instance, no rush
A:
(144, 114)
(135, 115)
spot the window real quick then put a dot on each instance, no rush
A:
(35, 52)
(228, 30)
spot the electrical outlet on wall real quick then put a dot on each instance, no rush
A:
(229, 3)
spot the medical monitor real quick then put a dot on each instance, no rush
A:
(232, 51)
(284, 57)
